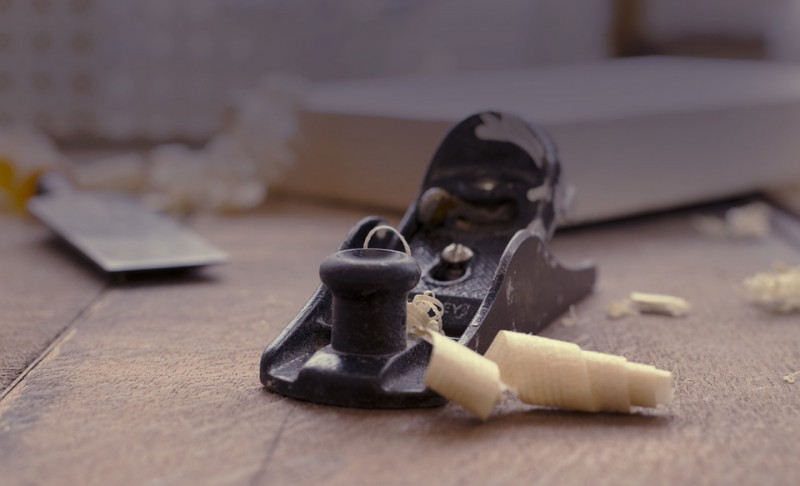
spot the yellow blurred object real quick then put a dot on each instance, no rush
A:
(17, 190)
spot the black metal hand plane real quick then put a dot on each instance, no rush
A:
(478, 235)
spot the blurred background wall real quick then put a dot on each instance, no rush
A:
(155, 70)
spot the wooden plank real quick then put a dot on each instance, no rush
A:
(41, 290)
(166, 372)
(159, 382)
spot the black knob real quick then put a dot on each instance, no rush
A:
(370, 290)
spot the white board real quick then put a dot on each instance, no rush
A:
(635, 135)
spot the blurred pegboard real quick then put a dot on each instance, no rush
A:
(48, 58)
(157, 70)
(129, 69)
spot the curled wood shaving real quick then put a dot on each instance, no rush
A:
(463, 376)
(424, 314)
(777, 291)
(560, 374)
(542, 372)
(791, 377)
(748, 221)
(386, 227)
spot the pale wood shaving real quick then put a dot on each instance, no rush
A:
(424, 314)
(560, 374)
(386, 227)
(463, 376)
(748, 221)
(791, 377)
(660, 304)
(777, 291)
(543, 372)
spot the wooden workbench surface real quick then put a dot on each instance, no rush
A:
(155, 381)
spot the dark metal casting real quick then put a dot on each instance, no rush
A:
(478, 231)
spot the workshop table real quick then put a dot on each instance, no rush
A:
(155, 380)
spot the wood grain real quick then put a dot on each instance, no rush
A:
(158, 383)
(40, 293)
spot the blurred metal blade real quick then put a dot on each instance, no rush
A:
(120, 235)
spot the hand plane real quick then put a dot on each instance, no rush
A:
(477, 234)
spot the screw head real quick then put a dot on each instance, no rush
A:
(457, 254)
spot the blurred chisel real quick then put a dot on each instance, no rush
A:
(117, 233)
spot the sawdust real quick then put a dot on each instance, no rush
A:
(777, 291)
(751, 221)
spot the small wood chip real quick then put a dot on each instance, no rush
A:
(660, 304)
(791, 377)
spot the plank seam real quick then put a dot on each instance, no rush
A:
(60, 338)
(258, 476)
